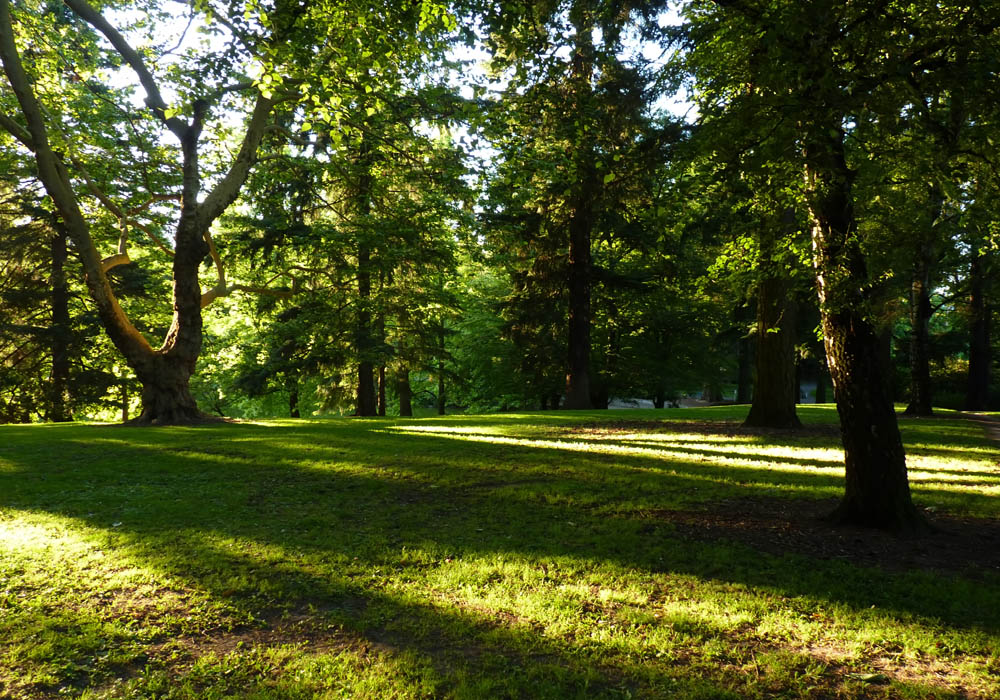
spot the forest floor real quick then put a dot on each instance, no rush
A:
(617, 554)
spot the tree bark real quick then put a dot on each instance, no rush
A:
(366, 405)
(744, 383)
(978, 388)
(59, 410)
(441, 399)
(774, 391)
(405, 392)
(293, 396)
(877, 492)
(821, 373)
(581, 220)
(920, 315)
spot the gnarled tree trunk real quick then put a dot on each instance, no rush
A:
(164, 372)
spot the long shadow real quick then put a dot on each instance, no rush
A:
(392, 492)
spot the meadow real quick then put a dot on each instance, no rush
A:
(614, 554)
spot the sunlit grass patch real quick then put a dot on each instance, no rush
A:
(495, 556)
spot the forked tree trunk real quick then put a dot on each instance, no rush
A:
(977, 391)
(164, 372)
(877, 492)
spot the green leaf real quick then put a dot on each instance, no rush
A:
(608, 178)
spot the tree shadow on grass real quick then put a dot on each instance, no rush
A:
(314, 535)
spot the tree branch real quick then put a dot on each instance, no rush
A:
(226, 191)
(154, 100)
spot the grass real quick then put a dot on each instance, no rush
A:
(526, 556)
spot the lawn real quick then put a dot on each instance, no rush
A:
(546, 555)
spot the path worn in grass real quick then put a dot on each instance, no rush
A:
(549, 555)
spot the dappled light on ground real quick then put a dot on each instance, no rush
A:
(478, 557)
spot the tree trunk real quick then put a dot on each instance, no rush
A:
(293, 396)
(920, 315)
(381, 390)
(581, 219)
(440, 396)
(59, 410)
(877, 491)
(166, 393)
(405, 393)
(978, 389)
(744, 383)
(774, 392)
(366, 404)
(125, 400)
(821, 377)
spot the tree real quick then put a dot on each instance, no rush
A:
(834, 73)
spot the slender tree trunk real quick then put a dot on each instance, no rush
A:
(774, 394)
(978, 389)
(381, 390)
(59, 341)
(821, 374)
(744, 383)
(441, 399)
(366, 405)
(366, 381)
(405, 392)
(920, 315)
(293, 396)
(581, 219)
(125, 401)
(554, 401)
(877, 491)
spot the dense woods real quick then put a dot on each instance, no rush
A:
(255, 209)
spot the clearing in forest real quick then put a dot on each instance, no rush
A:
(598, 554)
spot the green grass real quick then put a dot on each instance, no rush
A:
(522, 556)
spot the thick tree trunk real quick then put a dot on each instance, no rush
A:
(166, 394)
(877, 492)
(405, 393)
(59, 399)
(978, 389)
(774, 393)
